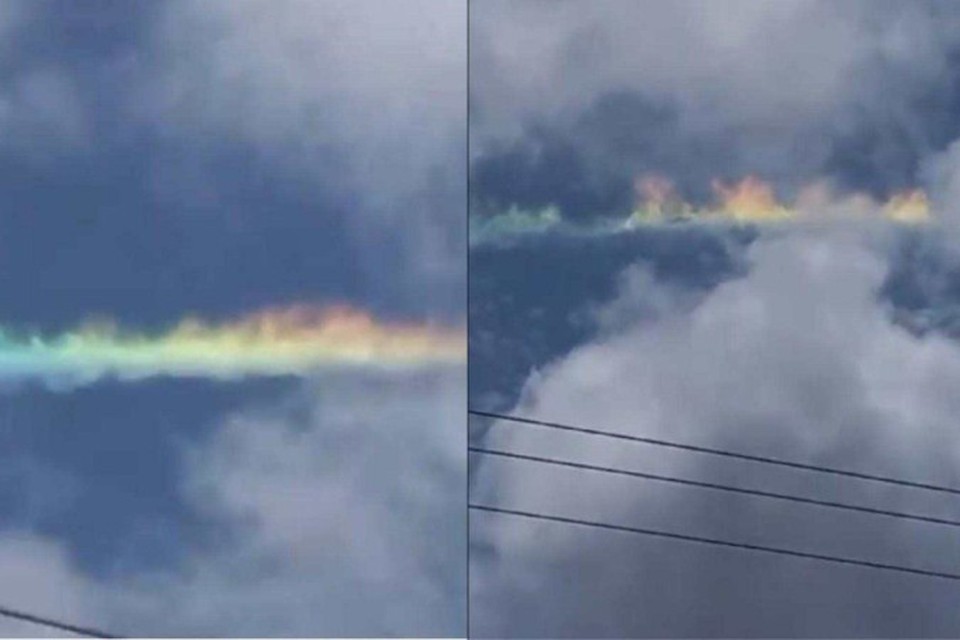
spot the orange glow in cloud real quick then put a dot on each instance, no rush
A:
(655, 191)
(290, 341)
(751, 199)
(910, 206)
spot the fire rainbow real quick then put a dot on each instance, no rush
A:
(749, 201)
(294, 341)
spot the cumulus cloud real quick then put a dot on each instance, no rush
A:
(829, 343)
(856, 93)
(352, 519)
(326, 142)
(646, 46)
(210, 133)
(337, 513)
(309, 73)
(800, 358)
(367, 100)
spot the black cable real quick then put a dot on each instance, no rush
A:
(717, 542)
(53, 624)
(718, 487)
(719, 452)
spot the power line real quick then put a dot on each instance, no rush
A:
(717, 542)
(719, 452)
(53, 624)
(719, 487)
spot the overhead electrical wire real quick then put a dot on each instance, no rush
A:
(715, 486)
(716, 542)
(54, 624)
(719, 452)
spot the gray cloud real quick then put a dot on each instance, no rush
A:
(172, 158)
(856, 93)
(340, 513)
(828, 343)
(161, 158)
(801, 358)
(42, 578)
(366, 100)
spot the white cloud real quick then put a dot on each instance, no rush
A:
(703, 53)
(346, 513)
(767, 70)
(797, 359)
(371, 73)
(367, 98)
(341, 513)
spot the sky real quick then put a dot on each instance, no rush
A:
(232, 292)
(732, 225)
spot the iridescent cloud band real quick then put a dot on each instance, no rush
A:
(294, 340)
(748, 201)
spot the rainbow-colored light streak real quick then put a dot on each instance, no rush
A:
(748, 201)
(295, 341)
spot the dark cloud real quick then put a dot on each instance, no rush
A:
(571, 112)
(571, 168)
